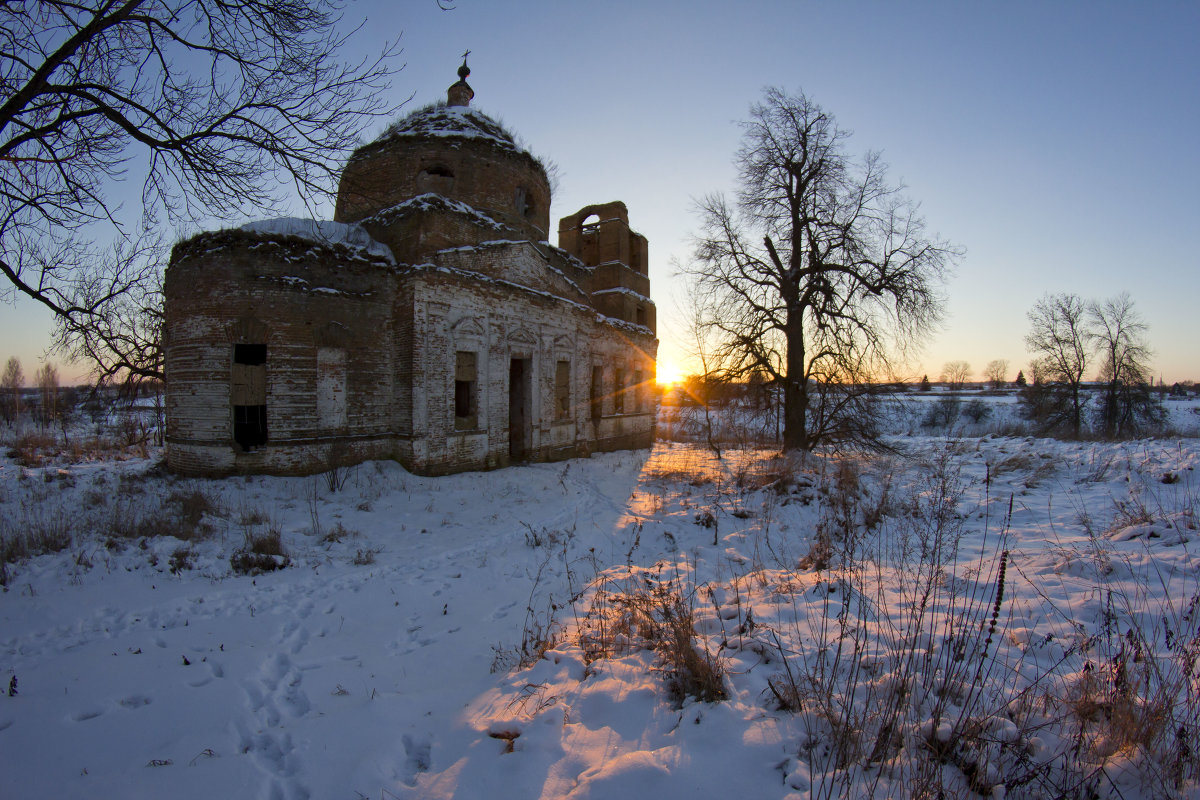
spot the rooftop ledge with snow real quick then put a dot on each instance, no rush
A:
(328, 232)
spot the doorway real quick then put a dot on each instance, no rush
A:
(519, 395)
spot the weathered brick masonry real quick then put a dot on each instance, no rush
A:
(466, 342)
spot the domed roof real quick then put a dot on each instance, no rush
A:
(442, 120)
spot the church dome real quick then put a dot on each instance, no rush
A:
(447, 151)
(442, 120)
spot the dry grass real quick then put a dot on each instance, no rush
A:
(39, 449)
(261, 552)
(182, 515)
(643, 612)
(33, 531)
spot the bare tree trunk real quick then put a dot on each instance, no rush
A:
(795, 387)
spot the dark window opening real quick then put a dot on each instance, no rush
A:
(520, 391)
(466, 403)
(462, 398)
(523, 202)
(641, 315)
(250, 426)
(437, 178)
(251, 354)
(248, 395)
(619, 392)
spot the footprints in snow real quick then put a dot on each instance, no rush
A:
(417, 758)
(502, 611)
(135, 701)
(272, 698)
(215, 670)
(86, 714)
(132, 702)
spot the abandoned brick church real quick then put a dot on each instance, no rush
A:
(431, 322)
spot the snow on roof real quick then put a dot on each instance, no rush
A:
(612, 322)
(464, 122)
(431, 201)
(323, 232)
(623, 290)
(572, 259)
(536, 247)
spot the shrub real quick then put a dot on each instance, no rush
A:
(182, 558)
(336, 534)
(977, 411)
(261, 552)
(942, 413)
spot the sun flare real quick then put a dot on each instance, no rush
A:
(668, 373)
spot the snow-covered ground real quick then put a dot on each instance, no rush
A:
(987, 615)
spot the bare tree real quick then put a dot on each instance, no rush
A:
(122, 338)
(1119, 334)
(46, 379)
(996, 372)
(699, 387)
(219, 107)
(818, 275)
(1058, 338)
(11, 382)
(955, 374)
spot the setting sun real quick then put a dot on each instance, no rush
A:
(669, 373)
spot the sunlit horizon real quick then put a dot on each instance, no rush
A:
(668, 372)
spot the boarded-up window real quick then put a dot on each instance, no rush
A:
(248, 394)
(562, 390)
(466, 392)
(619, 392)
(637, 390)
(331, 387)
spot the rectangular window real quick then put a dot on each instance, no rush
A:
(562, 390)
(466, 402)
(619, 391)
(597, 393)
(248, 395)
(641, 315)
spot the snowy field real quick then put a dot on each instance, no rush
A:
(985, 616)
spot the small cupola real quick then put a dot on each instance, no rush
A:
(460, 94)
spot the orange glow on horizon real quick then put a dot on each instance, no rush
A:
(668, 373)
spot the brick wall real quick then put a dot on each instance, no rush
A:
(481, 174)
(294, 296)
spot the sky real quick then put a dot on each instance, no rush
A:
(1055, 143)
